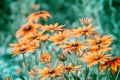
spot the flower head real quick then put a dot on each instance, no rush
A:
(50, 72)
(85, 30)
(27, 29)
(105, 40)
(37, 15)
(95, 58)
(21, 48)
(52, 28)
(70, 68)
(111, 64)
(86, 21)
(45, 58)
(59, 38)
(102, 48)
(73, 46)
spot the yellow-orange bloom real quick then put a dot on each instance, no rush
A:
(27, 29)
(34, 17)
(44, 37)
(111, 64)
(50, 72)
(85, 30)
(73, 46)
(102, 48)
(59, 38)
(45, 58)
(21, 49)
(51, 27)
(95, 58)
(37, 36)
(71, 68)
(105, 40)
(85, 21)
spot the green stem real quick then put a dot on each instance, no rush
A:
(36, 60)
(51, 78)
(86, 71)
(117, 75)
(97, 71)
(69, 75)
(25, 66)
(76, 65)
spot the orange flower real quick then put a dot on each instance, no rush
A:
(21, 48)
(58, 38)
(52, 28)
(48, 72)
(85, 21)
(36, 15)
(95, 58)
(70, 68)
(45, 58)
(32, 39)
(44, 37)
(102, 48)
(85, 30)
(73, 46)
(111, 64)
(105, 40)
(37, 36)
(27, 29)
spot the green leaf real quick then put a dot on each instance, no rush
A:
(75, 77)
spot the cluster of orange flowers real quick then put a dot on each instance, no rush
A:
(88, 46)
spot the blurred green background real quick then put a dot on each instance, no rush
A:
(13, 13)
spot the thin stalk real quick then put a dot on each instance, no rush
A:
(51, 78)
(76, 65)
(117, 75)
(86, 69)
(36, 60)
(97, 71)
(69, 75)
(25, 67)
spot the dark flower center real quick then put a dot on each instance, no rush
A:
(34, 37)
(98, 42)
(61, 38)
(68, 68)
(113, 59)
(27, 28)
(75, 44)
(85, 30)
(45, 60)
(97, 58)
(51, 71)
(22, 49)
